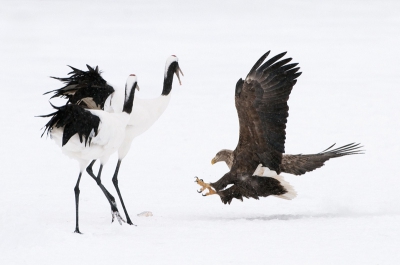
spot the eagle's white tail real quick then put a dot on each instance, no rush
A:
(290, 194)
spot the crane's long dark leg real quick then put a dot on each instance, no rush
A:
(110, 198)
(89, 170)
(115, 181)
(108, 195)
(77, 191)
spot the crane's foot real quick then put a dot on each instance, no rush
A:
(77, 231)
(205, 186)
(115, 214)
(129, 222)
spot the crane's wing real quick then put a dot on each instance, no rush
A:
(261, 103)
(85, 88)
(300, 164)
(74, 119)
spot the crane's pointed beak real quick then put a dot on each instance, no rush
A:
(178, 69)
(213, 161)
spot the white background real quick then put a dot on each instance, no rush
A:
(346, 212)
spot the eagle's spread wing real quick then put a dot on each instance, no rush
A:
(300, 164)
(74, 119)
(261, 103)
(85, 88)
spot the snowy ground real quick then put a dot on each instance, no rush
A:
(348, 212)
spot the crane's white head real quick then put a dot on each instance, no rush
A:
(131, 82)
(172, 65)
(130, 86)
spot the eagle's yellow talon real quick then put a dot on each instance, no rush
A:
(205, 186)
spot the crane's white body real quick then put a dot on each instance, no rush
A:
(109, 138)
(145, 112)
(110, 134)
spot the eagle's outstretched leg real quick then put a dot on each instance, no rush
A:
(204, 186)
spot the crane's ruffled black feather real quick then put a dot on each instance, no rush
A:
(74, 119)
(85, 88)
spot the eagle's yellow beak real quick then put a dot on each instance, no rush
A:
(213, 161)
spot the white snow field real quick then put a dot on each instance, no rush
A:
(347, 212)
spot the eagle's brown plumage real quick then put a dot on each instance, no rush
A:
(299, 164)
(261, 103)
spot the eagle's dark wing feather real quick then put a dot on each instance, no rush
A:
(261, 103)
(300, 164)
(74, 119)
(253, 187)
(85, 88)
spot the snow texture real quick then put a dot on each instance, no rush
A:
(347, 212)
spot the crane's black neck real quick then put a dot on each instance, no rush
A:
(129, 97)
(168, 78)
